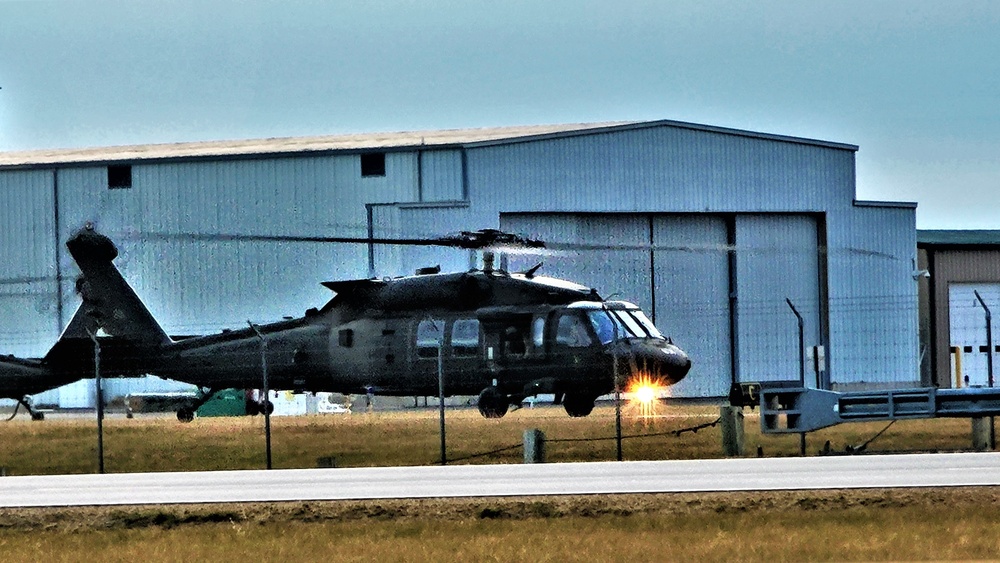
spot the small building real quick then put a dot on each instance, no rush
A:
(959, 273)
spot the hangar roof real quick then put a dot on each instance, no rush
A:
(958, 238)
(354, 143)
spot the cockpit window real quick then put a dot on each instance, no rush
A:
(646, 323)
(629, 324)
(605, 326)
(571, 331)
(633, 325)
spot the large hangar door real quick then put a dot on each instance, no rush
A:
(615, 273)
(777, 258)
(691, 290)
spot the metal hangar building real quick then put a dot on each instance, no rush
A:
(727, 238)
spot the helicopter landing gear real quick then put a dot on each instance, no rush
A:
(186, 412)
(578, 404)
(493, 403)
(26, 402)
(254, 408)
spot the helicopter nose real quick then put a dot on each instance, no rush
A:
(667, 361)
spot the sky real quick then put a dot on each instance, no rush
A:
(914, 83)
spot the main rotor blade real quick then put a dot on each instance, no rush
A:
(470, 240)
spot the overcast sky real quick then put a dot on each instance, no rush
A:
(914, 83)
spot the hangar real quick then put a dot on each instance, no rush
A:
(731, 240)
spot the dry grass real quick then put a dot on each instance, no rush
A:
(917, 524)
(63, 445)
(783, 526)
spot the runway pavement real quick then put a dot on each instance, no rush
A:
(866, 471)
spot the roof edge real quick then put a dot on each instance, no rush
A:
(287, 147)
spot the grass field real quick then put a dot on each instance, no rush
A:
(917, 524)
(957, 524)
(62, 445)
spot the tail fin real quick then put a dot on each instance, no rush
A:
(109, 302)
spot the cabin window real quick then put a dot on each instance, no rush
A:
(429, 333)
(119, 177)
(346, 338)
(372, 164)
(572, 331)
(465, 337)
(538, 332)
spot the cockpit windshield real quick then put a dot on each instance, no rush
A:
(627, 323)
(646, 323)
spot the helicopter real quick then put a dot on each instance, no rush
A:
(487, 332)
(20, 378)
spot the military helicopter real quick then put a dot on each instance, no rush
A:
(69, 360)
(502, 336)
(21, 378)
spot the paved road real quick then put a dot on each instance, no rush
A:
(916, 470)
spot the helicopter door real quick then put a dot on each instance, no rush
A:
(514, 352)
(387, 353)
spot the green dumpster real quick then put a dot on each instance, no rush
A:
(227, 402)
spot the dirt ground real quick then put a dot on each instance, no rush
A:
(514, 508)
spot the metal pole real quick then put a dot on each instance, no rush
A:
(989, 360)
(618, 394)
(444, 452)
(802, 342)
(267, 397)
(100, 403)
(802, 364)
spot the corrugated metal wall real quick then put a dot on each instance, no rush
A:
(660, 169)
(419, 221)
(691, 285)
(777, 259)
(194, 287)
(621, 274)
(873, 297)
(441, 175)
(28, 285)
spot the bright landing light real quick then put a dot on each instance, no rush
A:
(644, 392)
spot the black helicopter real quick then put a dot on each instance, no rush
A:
(69, 360)
(502, 336)
(21, 378)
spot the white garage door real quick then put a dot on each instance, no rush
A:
(967, 328)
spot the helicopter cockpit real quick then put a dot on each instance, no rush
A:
(609, 320)
(626, 330)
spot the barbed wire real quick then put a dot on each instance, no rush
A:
(676, 433)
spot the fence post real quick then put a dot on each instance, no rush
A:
(982, 432)
(732, 431)
(534, 446)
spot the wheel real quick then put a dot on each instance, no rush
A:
(253, 408)
(35, 415)
(185, 414)
(268, 405)
(492, 403)
(578, 405)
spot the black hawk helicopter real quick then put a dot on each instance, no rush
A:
(69, 360)
(502, 336)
